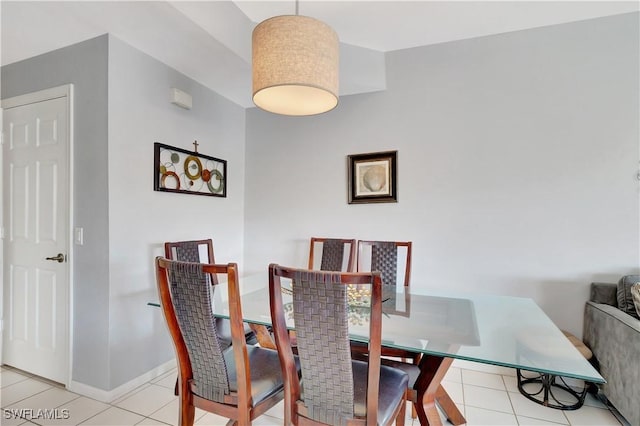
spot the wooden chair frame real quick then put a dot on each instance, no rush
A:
(169, 246)
(238, 405)
(294, 408)
(352, 250)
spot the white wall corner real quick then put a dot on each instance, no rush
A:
(361, 70)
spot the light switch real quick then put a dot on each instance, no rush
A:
(79, 236)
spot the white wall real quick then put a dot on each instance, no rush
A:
(140, 219)
(517, 155)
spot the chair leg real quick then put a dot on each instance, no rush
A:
(416, 361)
(187, 412)
(400, 418)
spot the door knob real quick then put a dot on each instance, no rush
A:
(59, 258)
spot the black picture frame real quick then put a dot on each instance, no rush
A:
(181, 171)
(373, 177)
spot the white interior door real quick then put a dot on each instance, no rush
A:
(36, 242)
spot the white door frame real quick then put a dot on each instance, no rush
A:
(64, 91)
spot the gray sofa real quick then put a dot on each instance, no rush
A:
(614, 338)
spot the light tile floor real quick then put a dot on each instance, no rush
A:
(486, 395)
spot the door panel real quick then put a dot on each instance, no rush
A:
(45, 311)
(19, 201)
(36, 182)
(19, 302)
(46, 209)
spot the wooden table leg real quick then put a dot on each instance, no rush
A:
(263, 336)
(449, 407)
(429, 391)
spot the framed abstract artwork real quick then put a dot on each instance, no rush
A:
(373, 177)
(188, 172)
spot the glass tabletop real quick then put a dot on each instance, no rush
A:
(499, 330)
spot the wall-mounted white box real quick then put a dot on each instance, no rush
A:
(180, 98)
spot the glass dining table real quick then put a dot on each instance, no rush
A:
(499, 330)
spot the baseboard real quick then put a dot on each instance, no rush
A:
(113, 394)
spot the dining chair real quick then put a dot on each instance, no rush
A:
(333, 254)
(333, 389)
(382, 256)
(385, 257)
(240, 382)
(201, 251)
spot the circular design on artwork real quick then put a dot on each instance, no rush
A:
(175, 157)
(374, 178)
(197, 165)
(163, 169)
(206, 175)
(170, 174)
(191, 185)
(218, 177)
(165, 157)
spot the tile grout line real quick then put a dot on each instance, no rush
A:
(511, 401)
(108, 408)
(27, 397)
(170, 402)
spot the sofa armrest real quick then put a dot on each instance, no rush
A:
(614, 338)
(604, 293)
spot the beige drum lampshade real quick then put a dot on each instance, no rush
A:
(295, 66)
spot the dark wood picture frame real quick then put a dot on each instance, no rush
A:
(373, 177)
(188, 172)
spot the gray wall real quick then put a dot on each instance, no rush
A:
(121, 108)
(140, 219)
(517, 154)
(85, 65)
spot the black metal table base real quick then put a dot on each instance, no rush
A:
(543, 387)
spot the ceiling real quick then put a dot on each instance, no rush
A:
(210, 41)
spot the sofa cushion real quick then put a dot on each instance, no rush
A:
(604, 293)
(625, 299)
(635, 294)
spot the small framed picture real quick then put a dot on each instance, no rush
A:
(373, 177)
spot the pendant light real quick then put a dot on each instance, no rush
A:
(295, 65)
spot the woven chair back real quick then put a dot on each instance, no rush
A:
(191, 296)
(326, 392)
(332, 255)
(322, 329)
(188, 251)
(384, 258)
(391, 258)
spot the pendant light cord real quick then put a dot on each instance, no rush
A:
(297, 8)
